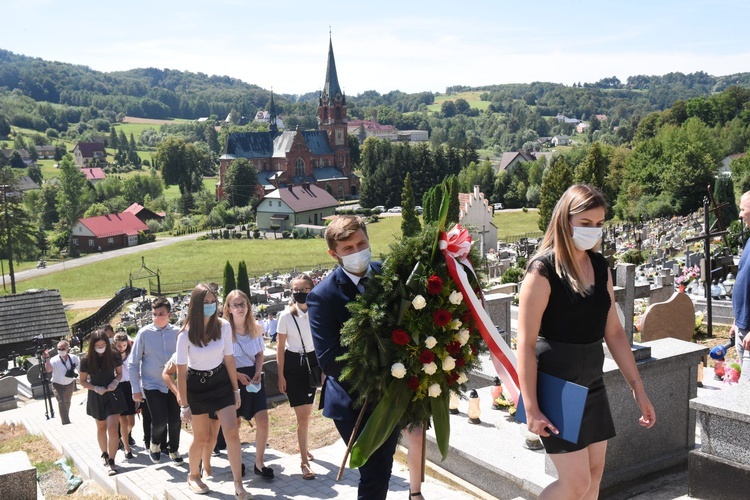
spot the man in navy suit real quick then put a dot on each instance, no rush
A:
(348, 244)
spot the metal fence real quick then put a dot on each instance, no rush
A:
(103, 315)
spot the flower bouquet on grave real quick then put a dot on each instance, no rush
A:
(415, 333)
(689, 274)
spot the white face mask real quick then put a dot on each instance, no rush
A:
(100, 350)
(356, 263)
(586, 238)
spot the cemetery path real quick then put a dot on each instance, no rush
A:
(85, 304)
(99, 257)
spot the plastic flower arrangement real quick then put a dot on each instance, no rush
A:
(413, 337)
(689, 274)
(732, 373)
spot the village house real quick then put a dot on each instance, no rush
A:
(476, 215)
(294, 157)
(511, 158)
(45, 152)
(560, 140)
(93, 175)
(582, 127)
(90, 154)
(107, 232)
(25, 156)
(295, 205)
(263, 116)
(413, 136)
(144, 214)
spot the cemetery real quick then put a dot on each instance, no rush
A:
(660, 301)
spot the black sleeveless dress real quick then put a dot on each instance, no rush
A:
(569, 346)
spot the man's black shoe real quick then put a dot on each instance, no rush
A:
(154, 453)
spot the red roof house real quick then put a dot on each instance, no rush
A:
(144, 213)
(93, 175)
(294, 205)
(90, 154)
(107, 232)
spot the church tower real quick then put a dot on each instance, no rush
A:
(332, 111)
(272, 126)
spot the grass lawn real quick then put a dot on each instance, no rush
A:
(173, 192)
(514, 223)
(472, 97)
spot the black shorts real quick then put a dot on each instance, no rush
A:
(127, 392)
(297, 377)
(207, 394)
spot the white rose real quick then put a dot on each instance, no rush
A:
(434, 390)
(456, 297)
(398, 370)
(429, 368)
(430, 342)
(449, 363)
(419, 302)
(456, 324)
(463, 336)
(462, 378)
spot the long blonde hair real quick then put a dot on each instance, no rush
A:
(198, 334)
(558, 239)
(250, 325)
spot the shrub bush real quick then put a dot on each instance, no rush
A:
(295, 233)
(513, 275)
(286, 234)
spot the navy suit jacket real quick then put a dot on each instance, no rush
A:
(327, 313)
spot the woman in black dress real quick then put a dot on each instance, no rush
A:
(101, 371)
(566, 308)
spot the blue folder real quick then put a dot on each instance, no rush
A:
(562, 402)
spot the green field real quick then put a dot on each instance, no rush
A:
(200, 260)
(472, 97)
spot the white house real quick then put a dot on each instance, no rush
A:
(476, 215)
(295, 205)
(560, 140)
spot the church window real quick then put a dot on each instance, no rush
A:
(299, 167)
(325, 113)
(338, 113)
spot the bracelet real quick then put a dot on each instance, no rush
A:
(236, 390)
(183, 407)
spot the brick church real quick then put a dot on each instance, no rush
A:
(300, 157)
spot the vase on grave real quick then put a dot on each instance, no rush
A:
(682, 288)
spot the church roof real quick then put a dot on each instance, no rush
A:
(274, 145)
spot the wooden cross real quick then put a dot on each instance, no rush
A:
(715, 211)
(706, 238)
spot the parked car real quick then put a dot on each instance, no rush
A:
(394, 210)
(419, 210)
(378, 209)
(130, 292)
(498, 206)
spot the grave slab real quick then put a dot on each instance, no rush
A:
(18, 477)
(673, 318)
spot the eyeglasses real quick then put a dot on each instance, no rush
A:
(241, 305)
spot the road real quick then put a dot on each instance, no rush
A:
(98, 257)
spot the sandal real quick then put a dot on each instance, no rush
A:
(245, 495)
(415, 494)
(307, 472)
(197, 485)
(310, 456)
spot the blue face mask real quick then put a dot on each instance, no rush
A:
(209, 309)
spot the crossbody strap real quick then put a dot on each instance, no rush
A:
(304, 351)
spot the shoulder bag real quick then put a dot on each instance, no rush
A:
(314, 373)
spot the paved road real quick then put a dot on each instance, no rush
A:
(98, 257)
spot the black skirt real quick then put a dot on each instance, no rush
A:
(207, 394)
(127, 392)
(251, 402)
(101, 406)
(297, 378)
(581, 364)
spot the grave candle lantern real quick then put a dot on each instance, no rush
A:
(474, 410)
(453, 403)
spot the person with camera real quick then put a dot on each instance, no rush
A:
(62, 366)
(295, 356)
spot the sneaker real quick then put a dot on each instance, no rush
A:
(112, 469)
(131, 441)
(129, 455)
(154, 453)
(105, 457)
(175, 456)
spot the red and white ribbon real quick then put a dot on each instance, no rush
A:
(455, 245)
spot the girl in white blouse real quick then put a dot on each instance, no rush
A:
(207, 381)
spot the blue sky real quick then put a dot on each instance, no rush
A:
(388, 45)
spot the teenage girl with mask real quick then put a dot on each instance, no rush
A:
(123, 346)
(247, 337)
(566, 309)
(207, 381)
(293, 354)
(101, 371)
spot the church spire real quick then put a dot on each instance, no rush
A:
(331, 88)
(272, 115)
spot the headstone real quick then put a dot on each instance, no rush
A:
(17, 476)
(498, 307)
(8, 391)
(674, 318)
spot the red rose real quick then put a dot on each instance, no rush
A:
(400, 337)
(453, 347)
(434, 285)
(451, 378)
(413, 383)
(473, 349)
(441, 317)
(460, 361)
(427, 356)
(466, 318)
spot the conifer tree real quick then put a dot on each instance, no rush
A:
(410, 225)
(451, 190)
(558, 179)
(724, 193)
(229, 282)
(243, 282)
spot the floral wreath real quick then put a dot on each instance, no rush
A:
(413, 336)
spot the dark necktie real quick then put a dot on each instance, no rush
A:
(362, 285)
